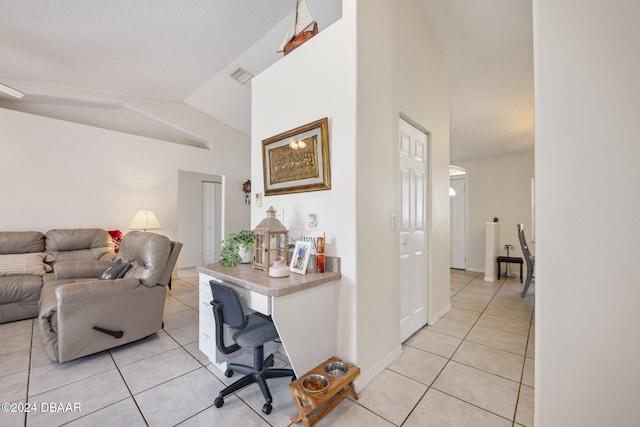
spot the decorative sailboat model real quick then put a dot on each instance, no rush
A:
(301, 29)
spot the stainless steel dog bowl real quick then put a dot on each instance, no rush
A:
(315, 383)
(336, 369)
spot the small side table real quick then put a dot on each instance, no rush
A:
(509, 259)
(312, 406)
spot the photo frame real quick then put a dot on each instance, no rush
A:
(297, 160)
(300, 257)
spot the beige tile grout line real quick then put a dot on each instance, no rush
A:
(515, 412)
(458, 347)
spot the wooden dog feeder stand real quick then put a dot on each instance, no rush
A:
(312, 406)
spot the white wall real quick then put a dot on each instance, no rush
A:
(308, 84)
(362, 85)
(421, 92)
(588, 205)
(394, 79)
(57, 174)
(498, 187)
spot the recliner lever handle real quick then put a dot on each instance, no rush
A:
(115, 334)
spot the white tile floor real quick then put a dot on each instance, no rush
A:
(473, 368)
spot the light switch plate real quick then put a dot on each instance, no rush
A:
(312, 220)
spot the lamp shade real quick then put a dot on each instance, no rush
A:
(145, 220)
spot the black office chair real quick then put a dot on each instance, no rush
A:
(528, 258)
(250, 331)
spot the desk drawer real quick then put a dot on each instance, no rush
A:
(207, 335)
(252, 300)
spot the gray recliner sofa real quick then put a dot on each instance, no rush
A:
(22, 267)
(27, 259)
(81, 314)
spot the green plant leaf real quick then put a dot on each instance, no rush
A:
(229, 251)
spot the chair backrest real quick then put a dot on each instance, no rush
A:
(148, 254)
(21, 242)
(230, 303)
(523, 243)
(227, 310)
(176, 247)
(76, 244)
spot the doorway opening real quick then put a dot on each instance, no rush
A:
(200, 207)
(458, 212)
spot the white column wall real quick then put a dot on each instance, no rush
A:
(394, 79)
(587, 95)
(310, 83)
(421, 92)
(363, 86)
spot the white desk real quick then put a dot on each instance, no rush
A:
(304, 310)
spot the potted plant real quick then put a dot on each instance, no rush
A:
(237, 247)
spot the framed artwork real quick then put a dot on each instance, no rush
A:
(297, 160)
(300, 258)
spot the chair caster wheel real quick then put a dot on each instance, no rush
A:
(266, 408)
(228, 373)
(218, 402)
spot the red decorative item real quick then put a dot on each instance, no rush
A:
(117, 236)
(320, 255)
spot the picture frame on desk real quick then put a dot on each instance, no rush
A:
(307, 236)
(300, 258)
(297, 160)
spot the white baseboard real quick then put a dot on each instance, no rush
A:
(432, 320)
(489, 279)
(475, 270)
(364, 379)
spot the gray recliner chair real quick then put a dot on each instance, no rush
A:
(82, 314)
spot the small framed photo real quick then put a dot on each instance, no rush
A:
(300, 257)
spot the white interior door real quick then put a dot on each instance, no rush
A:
(211, 221)
(414, 150)
(458, 223)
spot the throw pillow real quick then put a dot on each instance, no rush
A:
(23, 264)
(117, 236)
(114, 271)
(126, 268)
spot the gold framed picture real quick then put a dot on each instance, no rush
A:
(297, 160)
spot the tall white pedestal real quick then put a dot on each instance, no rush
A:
(491, 251)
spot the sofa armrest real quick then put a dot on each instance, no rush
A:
(108, 256)
(80, 269)
(93, 290)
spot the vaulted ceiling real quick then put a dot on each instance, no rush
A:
(104, 53)
(488, 45)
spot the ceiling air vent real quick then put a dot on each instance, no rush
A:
(242, 75)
